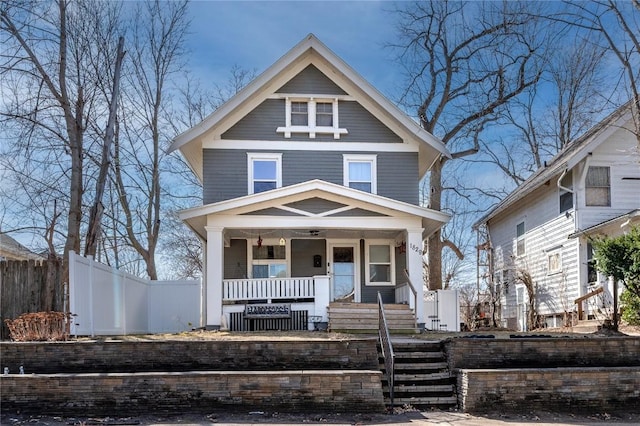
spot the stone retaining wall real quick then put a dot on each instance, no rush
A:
(550, 389)
(219, 355)
(543, 352)
(122, 394)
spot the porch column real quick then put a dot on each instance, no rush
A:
(214, 276)
(416, 274)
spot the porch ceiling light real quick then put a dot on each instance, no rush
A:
(282, 241)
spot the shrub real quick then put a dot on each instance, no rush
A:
(630, 307)
(38, 326)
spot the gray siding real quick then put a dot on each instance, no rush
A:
(315, 205)
(235, 260)
(311, 81)
(224, 175)
(262, 122)
(225, 172)
(302, 252)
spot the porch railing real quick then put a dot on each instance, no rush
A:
(268, 289)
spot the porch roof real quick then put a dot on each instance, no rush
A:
(386, 214)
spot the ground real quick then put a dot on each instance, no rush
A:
(400, 416)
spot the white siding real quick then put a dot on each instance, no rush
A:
(620, 153)
(546, 230)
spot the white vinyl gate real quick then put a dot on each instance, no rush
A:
(442, 310)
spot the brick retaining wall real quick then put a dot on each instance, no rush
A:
(482, 353)
(122, 394)
(137, 356)
(550, 389)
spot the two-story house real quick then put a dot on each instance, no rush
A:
(543, 228)
(311, 194)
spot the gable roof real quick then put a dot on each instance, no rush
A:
(11, 249)
(340, 195)
(308, 51)
(566, 159)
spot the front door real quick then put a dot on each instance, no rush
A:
(343, 268)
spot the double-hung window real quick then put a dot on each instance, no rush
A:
(360, 172)
(269, 261)
(311, 115)
(380, 260)
(598, 186)
(520, 247)
(265, 172)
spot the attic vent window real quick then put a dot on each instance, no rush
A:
(311, 116)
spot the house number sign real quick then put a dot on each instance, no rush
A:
(268, 310)
(415, 248)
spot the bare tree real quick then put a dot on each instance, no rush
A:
(616, 26)
(159, 31)
(465, 61)
(51, 52)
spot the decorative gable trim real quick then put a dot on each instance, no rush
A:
(309, 50)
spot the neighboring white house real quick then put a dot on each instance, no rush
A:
(592, 187)
(311, 194)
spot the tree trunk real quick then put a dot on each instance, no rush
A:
(434, 243)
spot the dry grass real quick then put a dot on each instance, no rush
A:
(202, 335)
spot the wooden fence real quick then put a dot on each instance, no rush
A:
(27, 286)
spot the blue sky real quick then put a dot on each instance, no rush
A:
(254, 34)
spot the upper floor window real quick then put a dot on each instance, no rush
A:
(312, 116)
(566, 197)
(265, 172)
(520, 247)
(598, 186)
(360, 172)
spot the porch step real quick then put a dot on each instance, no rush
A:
(422, 378)
(363, 318)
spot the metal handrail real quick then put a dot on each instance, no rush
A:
(387, 348)
(414, 291)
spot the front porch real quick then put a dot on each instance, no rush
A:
(305, 303)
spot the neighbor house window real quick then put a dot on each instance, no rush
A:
(566, 197)
(598, 186)
(269, 261)
(311, 116)
(265, 172)
(554, 262)
(520, 248)
(380, 264)
(360, 172)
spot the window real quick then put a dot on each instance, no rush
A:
(380, 264)
(598, 186)
(324, 114)
(269, 261)
(592, 272)
(360, 172)
(265, 172)
(520, 248)
(312, 116)
(299, 114)
(554, 262)
(566, 197)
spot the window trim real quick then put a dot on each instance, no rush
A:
(261, 156)
(311, 128)
(392, 262)
(372, 159)
(521, 238)
(267, 242)
(550, 255)
(587, 187)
